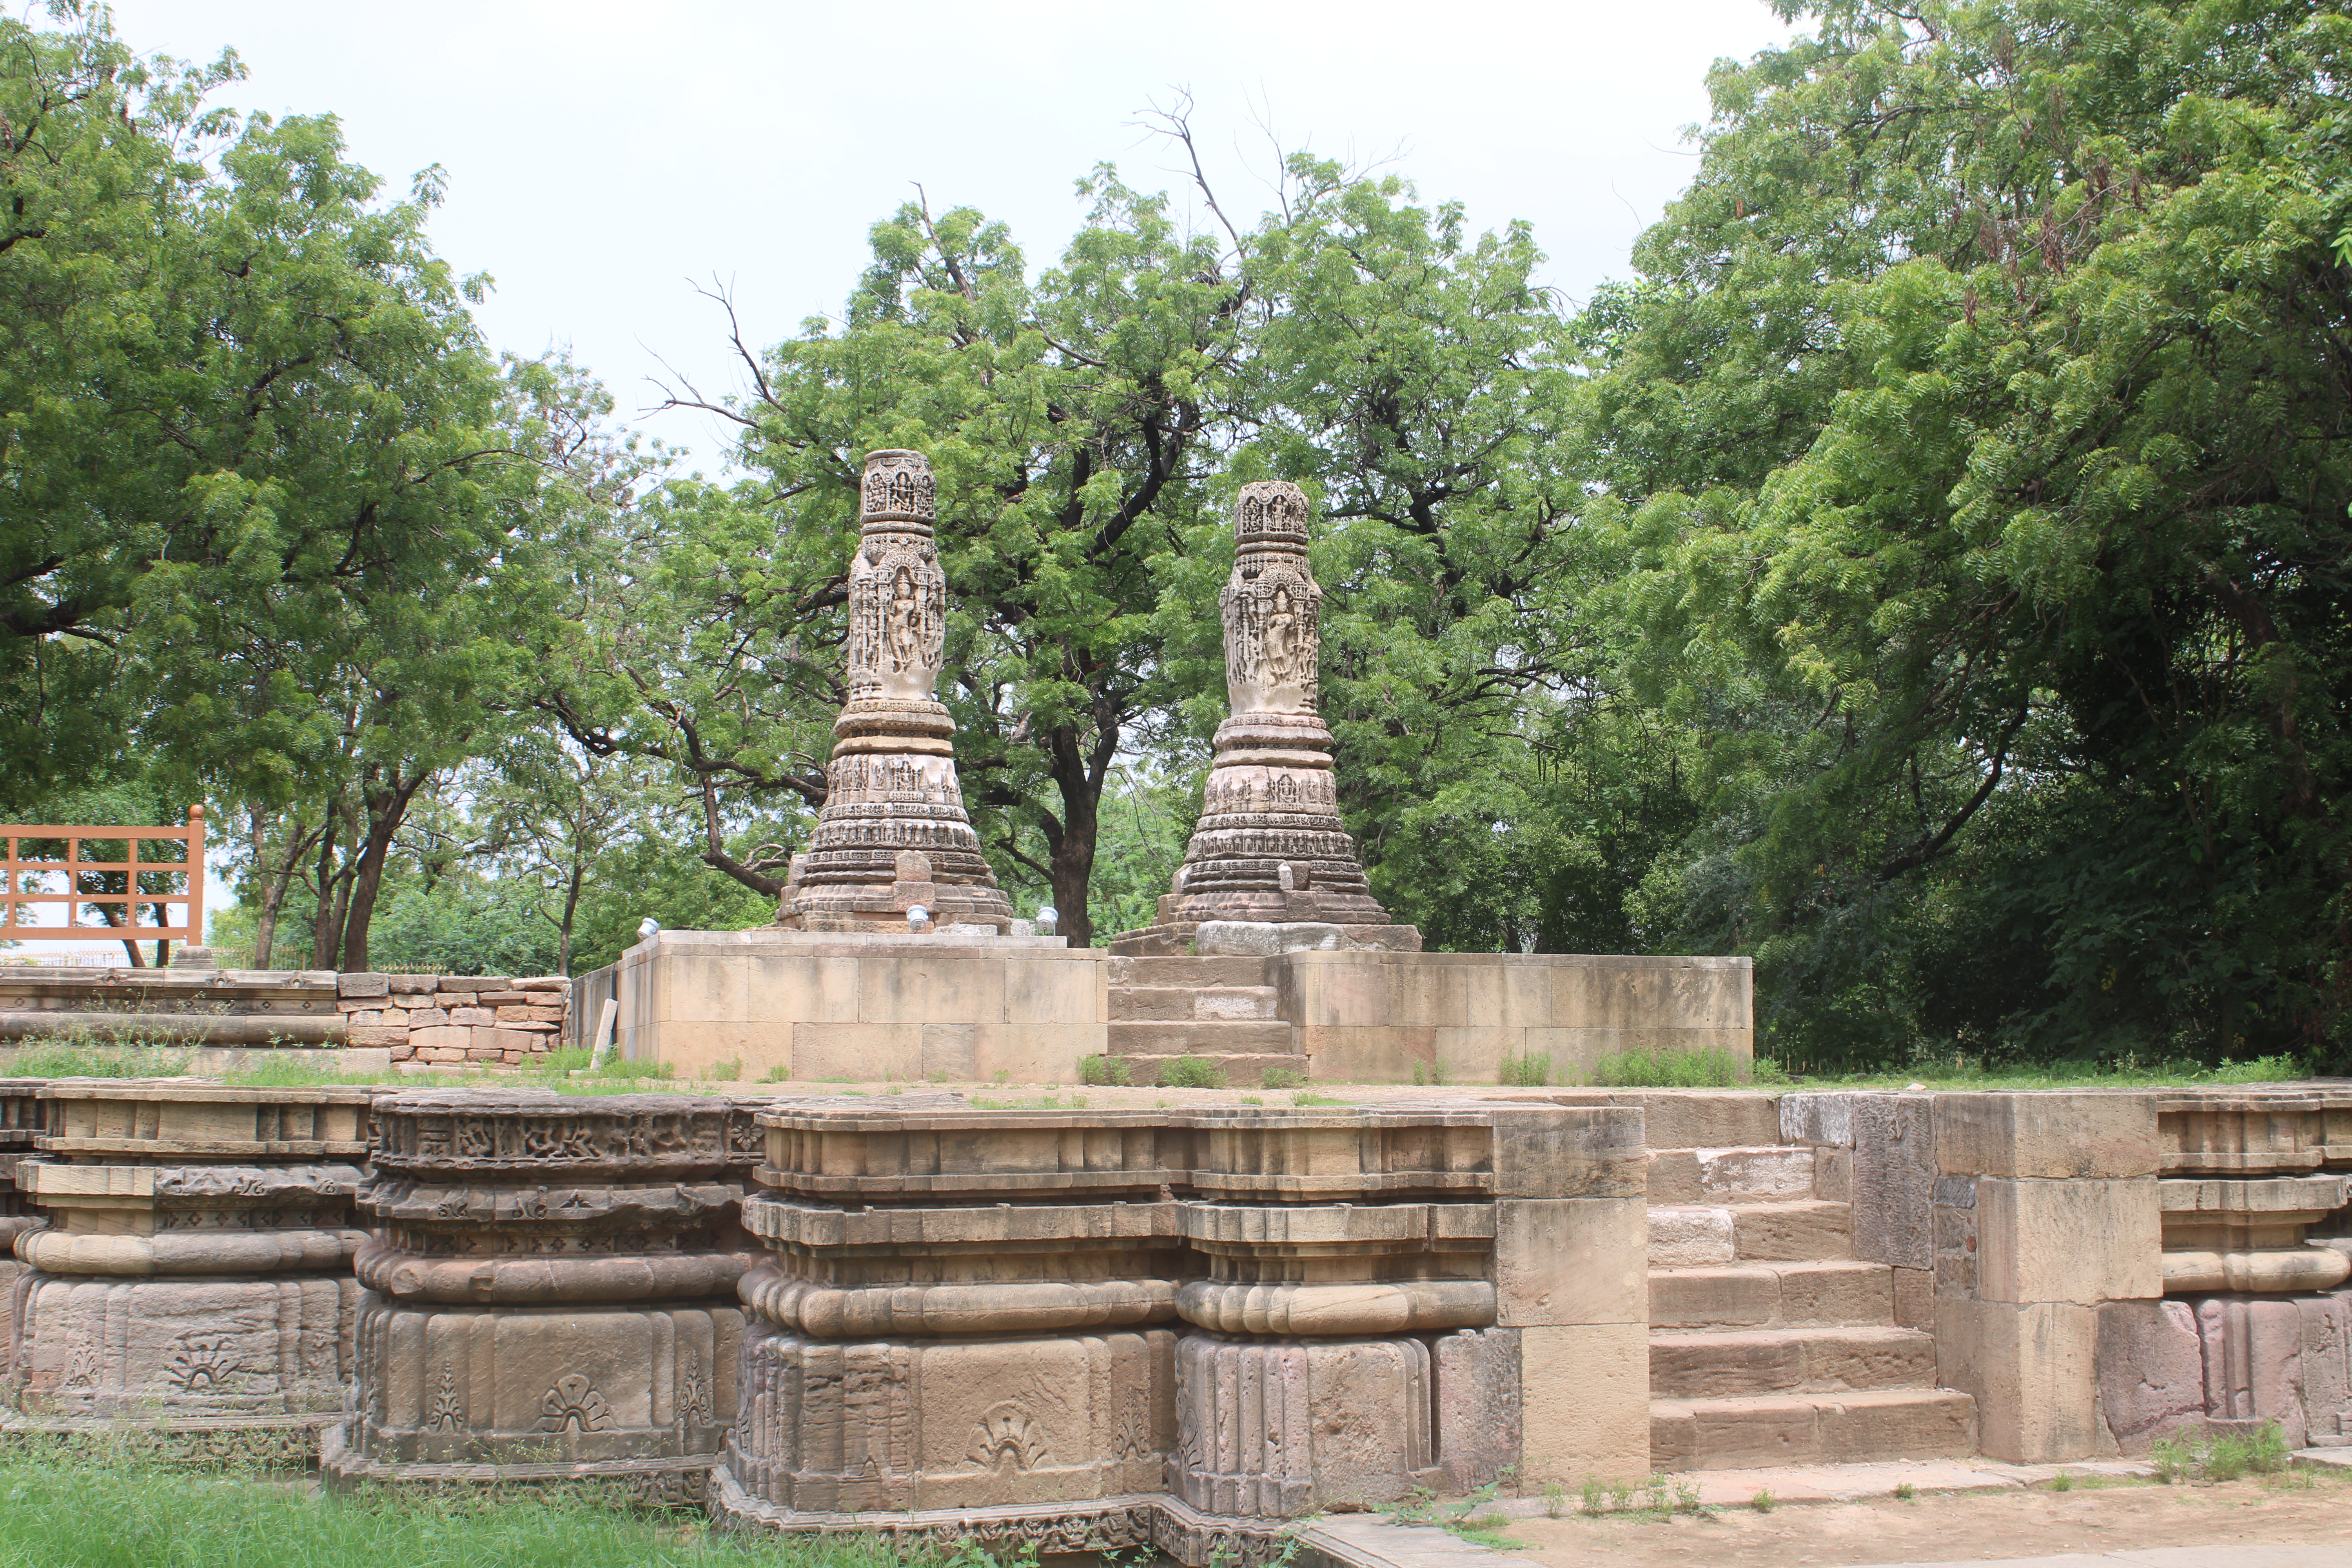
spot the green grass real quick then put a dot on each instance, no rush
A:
(1532, 1071)
(2126, 1072)
(290, 1072)
(119, 1514)
(1106, 1071)
(1281, 1078)
(1191, 1072)
(76, 1057)
(2218, 1456)
(1648, 1067)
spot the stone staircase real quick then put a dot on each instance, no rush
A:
(1770, 1343)
(1220, 1008)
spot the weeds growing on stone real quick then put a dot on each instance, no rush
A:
(1659, 1497)
(2061, 1482)
(1555, 1498)
(725, 1072)
(1191, 1072)
(779, 1073)
(295, 1072)
(1304, 1100)
(1461, 1519)
(1109, 1071)
(1281, 1078)
(2218, 1456)
(1764, 1501)
(1904, 1491)
(1532, 1071)
(1437, 1073)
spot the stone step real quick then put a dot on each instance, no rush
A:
(1762, 1295)
(1807, 1429)
(1199, 1038)
(1685, 1235)
(1187, 972)
(1239, 1070)
(1206, 1002)
(1747, 1175)
(1745, 1363)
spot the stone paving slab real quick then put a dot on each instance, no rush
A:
(2234, 1556)
(1855, 1483)
(2324, 1459)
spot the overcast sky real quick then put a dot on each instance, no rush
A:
(602, 157)
(605, 158)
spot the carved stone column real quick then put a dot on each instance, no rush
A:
(893, 832)
(1270, 868)
(551, 1293)
(960, 1326)
(194, 1277)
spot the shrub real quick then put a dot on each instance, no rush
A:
(1283, 1078)
(1110, 1071)
(1191, 1072)
(1433, 1072)
(779, 1073)
(1532, 1071)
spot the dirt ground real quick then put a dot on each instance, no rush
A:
(2297, 1509)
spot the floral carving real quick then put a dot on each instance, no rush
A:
(448, 1411)
(1008, 1436)
(576, 1404)
(201, 1361)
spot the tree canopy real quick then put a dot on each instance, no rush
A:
(1926, 571)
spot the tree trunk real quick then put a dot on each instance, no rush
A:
(334, 889)
(571, 908)
(386, 809)
(1078, 775)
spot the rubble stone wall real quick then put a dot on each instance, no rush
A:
(453, 1020)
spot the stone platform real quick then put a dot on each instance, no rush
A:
(961, 1008)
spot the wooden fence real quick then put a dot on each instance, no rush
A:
(116, 891)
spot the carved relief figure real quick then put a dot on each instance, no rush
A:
(904, 635)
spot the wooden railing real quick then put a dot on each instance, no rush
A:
(116, 891)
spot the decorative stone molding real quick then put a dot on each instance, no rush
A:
(1056, 1324)
(550, 1293)
(194, 1274)
(1270, 868)
(892, 834)
(2246, 1176)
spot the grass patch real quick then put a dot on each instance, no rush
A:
(1042, 1102)
(1281, 1078)
(1304, 1100)
(2218, 1456)
(729, 1071)
(1648, 1067)
(1436, 1072)
(287, 1072)
(106, 1513)
(1532, 1071)
(79, 1058)
(1191, 1072)
(1955, 1071)
(1110, 1072)
(1659, 1497)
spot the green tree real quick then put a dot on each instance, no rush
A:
(1979, 437)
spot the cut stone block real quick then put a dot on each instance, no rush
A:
(2151, 1371)
(2046, 1134)
(2083, 1241)
(2031, 1370)
(1894, 1179)
(1571, 1260)
(1585, 1393)
(1792, 1231)
(1690, 1238)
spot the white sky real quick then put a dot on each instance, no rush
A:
(604, 157)
(601, 155)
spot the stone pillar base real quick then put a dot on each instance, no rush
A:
(1100, 1524)
(239, 1442)
(672, 1481)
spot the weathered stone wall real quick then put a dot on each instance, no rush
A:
(820, 1004)
(453, 1020)
(446, 1020)
(2106, 1268)
(817, 1006)
(1182, 1328)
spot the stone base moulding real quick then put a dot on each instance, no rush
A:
(550, 1295)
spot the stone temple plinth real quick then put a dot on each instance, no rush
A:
(893, 834)
(194, 1277)
(1270, 868)
(20, 1120)
(550, 1295)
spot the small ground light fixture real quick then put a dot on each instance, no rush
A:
(1047, 915)
(917, 916)
(648, 928)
